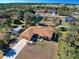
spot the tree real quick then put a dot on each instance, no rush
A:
(20, 14)
(5, 40)
(27, 18)
(3, 14)
(6, 37)
(8, 22)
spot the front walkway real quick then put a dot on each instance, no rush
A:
(16, 49)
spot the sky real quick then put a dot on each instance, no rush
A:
(40, 1)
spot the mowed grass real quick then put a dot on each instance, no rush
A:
(41, 50)
(42, 45)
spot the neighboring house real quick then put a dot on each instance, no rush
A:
(69, 19)
(63, 5)
(76, 13)
(41, 11)
(16, 30)
(38, 30)
(38, 16)
(52, 11)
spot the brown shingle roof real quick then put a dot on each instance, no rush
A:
(42, 31)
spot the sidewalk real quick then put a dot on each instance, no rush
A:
(15, 50)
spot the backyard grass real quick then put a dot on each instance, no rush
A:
(42, 45)
(42, 50)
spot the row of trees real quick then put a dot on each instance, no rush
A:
(63, 10)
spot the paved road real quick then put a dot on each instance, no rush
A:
(15, 50)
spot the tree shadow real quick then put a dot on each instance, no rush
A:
(55, 37)
(9, 52)
(77, 46)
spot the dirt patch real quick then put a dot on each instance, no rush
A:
(1, 54)
(42, 50)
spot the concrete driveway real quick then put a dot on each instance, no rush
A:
(16, 49)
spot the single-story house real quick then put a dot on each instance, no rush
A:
(76, 13)
(38, 30)
(16, 30)
(41, 11)
(52, 11)
(69, 19)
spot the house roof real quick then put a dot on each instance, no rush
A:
(52, 11)
(16, 30)
(76, 13)
(70, 19)
(40, 30)
(41, 11)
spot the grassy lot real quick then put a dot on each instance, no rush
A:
(65, 51)
(62, 46)
(42, 50)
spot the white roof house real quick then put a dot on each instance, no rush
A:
(16, 30)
